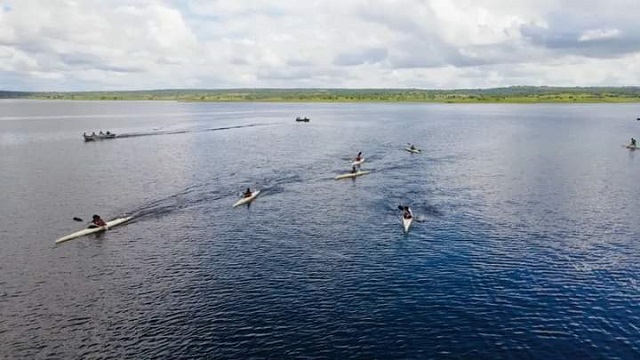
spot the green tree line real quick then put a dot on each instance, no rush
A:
(515, 94)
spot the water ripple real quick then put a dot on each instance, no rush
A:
(515, 253)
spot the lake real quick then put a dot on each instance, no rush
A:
(525, 243)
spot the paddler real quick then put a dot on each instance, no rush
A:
(359, 156)
(354, 169)
(413, 147)
(633, 142)
(406, 213)
(97, 221)
(247, 193)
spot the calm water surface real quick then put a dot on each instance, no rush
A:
(526, 247)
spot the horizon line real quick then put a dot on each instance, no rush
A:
(332, 88)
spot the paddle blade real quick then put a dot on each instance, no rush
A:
(77, 219)
(400, 207)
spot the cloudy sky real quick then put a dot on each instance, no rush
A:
(73, 45)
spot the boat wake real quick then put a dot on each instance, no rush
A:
(206, 193)
(429, 210)
(187, 198)
(174, 132)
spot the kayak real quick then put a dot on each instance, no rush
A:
(632, 147)
(415, 151)
(88, 231)
(246, 200)
(351, 175)
(407, 222)
(357, 162)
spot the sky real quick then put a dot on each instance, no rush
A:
(79, 45)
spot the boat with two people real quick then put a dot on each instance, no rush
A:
(99, 136)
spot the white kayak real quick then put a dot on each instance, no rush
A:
(631, 147)
(415, 151)
(407, 222)
(357, 162)
(88, 231)
(246, 200)
(351, 175)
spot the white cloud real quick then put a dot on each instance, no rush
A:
(599, 34)
(123, 44)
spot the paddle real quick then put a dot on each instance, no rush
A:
(91, 225)
(78, 219)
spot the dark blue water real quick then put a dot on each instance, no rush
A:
(526, 247)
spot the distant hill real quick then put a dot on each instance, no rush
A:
(514, 94)
(13, 94)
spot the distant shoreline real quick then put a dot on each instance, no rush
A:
(512, 95)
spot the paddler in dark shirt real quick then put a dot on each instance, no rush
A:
(97, 221)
